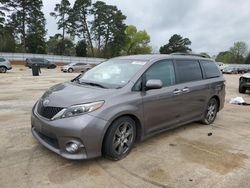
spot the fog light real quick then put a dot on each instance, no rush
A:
(72, 147)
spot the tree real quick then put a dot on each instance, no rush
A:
(247, 60)
(81, 49)
(108, 29)
(3, 9)
(176, 44)
(239, 52)
(36, 29)
(225, 57)
(62, 13)
(80, 13)
(25, 18)
(57, 46)
(7, 40)
(137, 42)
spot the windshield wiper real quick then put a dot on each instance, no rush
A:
(93, 84)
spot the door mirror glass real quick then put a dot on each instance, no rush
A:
(154, 84)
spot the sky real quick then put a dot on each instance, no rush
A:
(211, 25)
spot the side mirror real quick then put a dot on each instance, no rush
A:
(153, 84)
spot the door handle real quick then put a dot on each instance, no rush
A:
(185, 90)
(177, 92)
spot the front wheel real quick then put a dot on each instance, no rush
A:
(211, 112)
(242, 89)
(119, 138)
(3, 69)
(70, 70)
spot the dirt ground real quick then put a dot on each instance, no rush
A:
(184, 157)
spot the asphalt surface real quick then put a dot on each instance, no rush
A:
(191, 156)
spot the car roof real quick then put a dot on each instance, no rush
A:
(152, 57)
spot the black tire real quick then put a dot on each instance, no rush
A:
(70, 70)
(210, 112)
(242, 89)
(3, 69)
(119, 138)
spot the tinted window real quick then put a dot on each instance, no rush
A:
(188, 70)
(2, 59)
(163, 71)
(210, 69)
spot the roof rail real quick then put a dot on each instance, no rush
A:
(190, 54)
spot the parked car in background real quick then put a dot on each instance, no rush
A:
(4, 65)
(43, 63)
(244, 83)
(76, 67)
(105, 110)
(230, 70)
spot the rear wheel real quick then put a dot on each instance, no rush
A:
(119, 138)
(211, 112)
(3, 69)
(242, 89)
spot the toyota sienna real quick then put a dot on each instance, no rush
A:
(105, 110)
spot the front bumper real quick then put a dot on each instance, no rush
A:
(63, 69)
(9, 68)
(54, 135)
(245, 85)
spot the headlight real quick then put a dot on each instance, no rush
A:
(77, 110)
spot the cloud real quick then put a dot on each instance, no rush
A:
(212, 26)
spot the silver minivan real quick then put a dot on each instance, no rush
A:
(126, 99)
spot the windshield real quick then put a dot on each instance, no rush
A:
(113, 73)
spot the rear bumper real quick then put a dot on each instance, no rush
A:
(86, 130)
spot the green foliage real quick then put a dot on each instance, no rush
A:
(7, 40)
(35, 40)
(57, 46)
(235, 55)
(239, 52)
(3, 9)
(81, 49)
(247, 60)
(176, 44)
(225, 57)
(26, 17)
(108, 29)
(62, 12)
(80, 24)
(137, 42)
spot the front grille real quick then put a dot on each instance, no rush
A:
(51, 141)
(47, 111)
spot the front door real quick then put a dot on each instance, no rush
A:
(161, 106)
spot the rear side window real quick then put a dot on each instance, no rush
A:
(210, 69)
(188, 70)
(164, 71)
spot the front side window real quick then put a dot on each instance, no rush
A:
(164, 71)
(188, 70)
(113, 73)
(2, 59)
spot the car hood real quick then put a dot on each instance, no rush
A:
(68, 94)
(247, 75)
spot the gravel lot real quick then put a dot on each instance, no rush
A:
(184, 157)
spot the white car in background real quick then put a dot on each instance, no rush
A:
(76, 67)
(4, 65)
